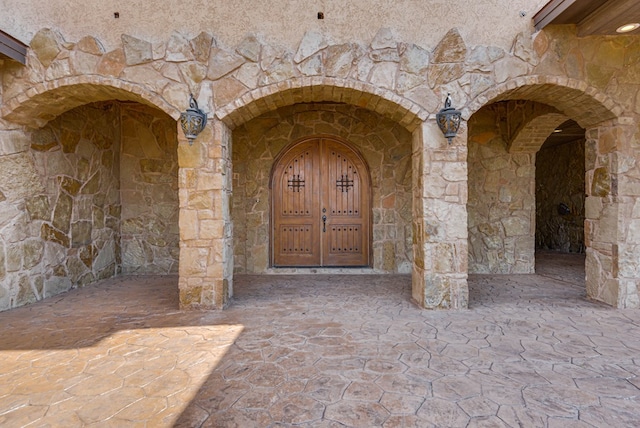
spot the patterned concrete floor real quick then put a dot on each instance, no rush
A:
(324, 351)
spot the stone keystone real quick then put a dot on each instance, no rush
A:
(384, 39)
(523, 48)
(201, 46)
(250, 48)
(90, 45)
(222, 62)
(451, 48)
(46, 45)
(312, 42)
(414, 60)
(178, 49)
(112, 63)
(136, 51)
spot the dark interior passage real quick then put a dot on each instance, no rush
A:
(560, 190)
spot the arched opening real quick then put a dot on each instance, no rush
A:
(320, 205)
(505, 138)
(48, 100)
(560, 204)
(384, 146)
(560, 190)
(99, 187)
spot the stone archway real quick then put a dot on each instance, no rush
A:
(99, 186)
(606, 221)
(320, 205)
(207, 238)
(47, 100)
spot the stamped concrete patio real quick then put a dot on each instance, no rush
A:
(324, 351)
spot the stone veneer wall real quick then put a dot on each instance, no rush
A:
(91, 194)
(385, 146)
(60, 208)
(560, 179)
(501, 201)
(592, 80)
(149, 188)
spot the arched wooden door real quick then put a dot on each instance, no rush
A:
(321, 206)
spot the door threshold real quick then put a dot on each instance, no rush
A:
(323, 270)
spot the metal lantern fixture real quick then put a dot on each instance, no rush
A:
(448, 119)
(193, 120)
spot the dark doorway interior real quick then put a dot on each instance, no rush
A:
(560, 190)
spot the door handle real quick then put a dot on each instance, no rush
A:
(324, 223)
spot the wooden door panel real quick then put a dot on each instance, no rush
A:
(320, 206)
(346, 202)
(345, 245)
(296, 208)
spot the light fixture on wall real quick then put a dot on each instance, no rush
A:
(448, 119)
(193, 120)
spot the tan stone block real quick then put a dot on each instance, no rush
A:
(599, 75)
(90, 45)
(510, 67)
(200, 200)
(58, 69)
(515, 226)
(194, 71)
(312, 66)
(601, 182)
(178, 49)
(84, 63)
(46, 44)
(222, 62)
(215, 270)
(211, 229)
(194, 156)
(201, 46)
(190, 297)
(206, 180)
(188, 224)
(136, 51)
(450, 49)
(312, 42)
(206, 214)
(227, 90)
(176, 93)
(593, 207)
(193, 261)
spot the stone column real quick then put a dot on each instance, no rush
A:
(612, 211)
(439, 219)
(206, 252)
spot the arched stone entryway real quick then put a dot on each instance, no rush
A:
(384, 145)
(610, 268)
(439, 246)
(320, 205)
(97, 170)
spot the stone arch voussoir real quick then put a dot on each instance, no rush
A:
(530, 138)
(45, 101)
(303, 90)
(577, 100)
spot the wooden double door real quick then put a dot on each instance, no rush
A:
(321, 205)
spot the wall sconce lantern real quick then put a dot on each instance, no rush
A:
(448, 119)
(193, 120)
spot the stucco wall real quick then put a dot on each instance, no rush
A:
(60, 209)
(149, 188)
(385, 146)
(560, 179)
(278, 22)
